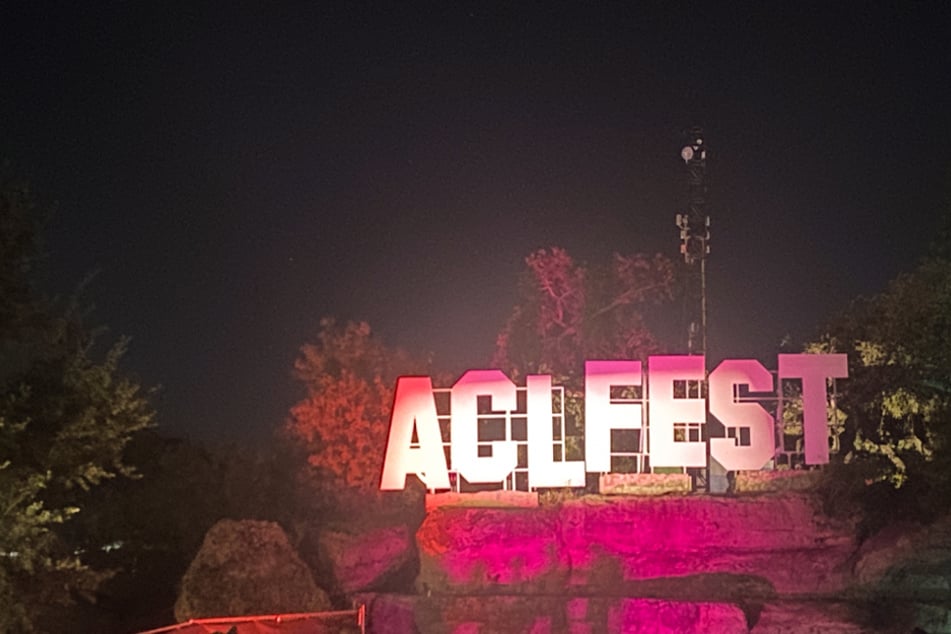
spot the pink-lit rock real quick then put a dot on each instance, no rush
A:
(479, 548)
(482, 499)
(643, 616)
(815, 617)
(361, 562)
(548, 615)
(610, 546)
(389, 612)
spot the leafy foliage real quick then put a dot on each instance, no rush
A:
(569, 312)
(898, 395)
(65, 418)
(153, 525)
(343, 421)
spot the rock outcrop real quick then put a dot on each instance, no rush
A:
(247, 567)
(757, 564)
(904, 553)
(764, 545)
(815, 617)
(905, 570)
(368, 560)
(550, 615)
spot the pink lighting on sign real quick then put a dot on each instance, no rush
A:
(666, 410)
(601, 415)
(545, 472)
(413, 404)
(814, 369)
(724, 404)
(675, 422)
(465, 426)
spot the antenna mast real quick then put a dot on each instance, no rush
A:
(694, 227)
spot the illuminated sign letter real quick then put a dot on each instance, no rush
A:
(814, 369)
(725, 406)
(483, 403)
(543, 471)
(464, 427)
(676, 440)
(601, 415)
(413, 404)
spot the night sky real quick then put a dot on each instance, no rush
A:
(236, 174)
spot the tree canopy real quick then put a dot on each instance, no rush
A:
(568, 312)
(897, 398)
(66, 415)
(343, 421)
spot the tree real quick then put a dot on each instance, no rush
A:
(343, 421)
(898, 395)
(155, 524)
(569, 312)
(66, 414)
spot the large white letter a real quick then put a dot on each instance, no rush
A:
(413, 404)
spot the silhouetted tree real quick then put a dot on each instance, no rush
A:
(343, 421)
(568, 312)
(897, 399)
(66, 415)
(154, 525)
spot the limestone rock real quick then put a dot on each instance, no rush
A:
(610, 545)
(643, 616)
(906, 569)
(804, 617)
(643, 483)
(471, 550)
(247, 567)
(776, 481)
(366, 561)
(914, 561)
(547, 615)
(389, 612)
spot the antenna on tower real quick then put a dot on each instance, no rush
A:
(694, 226)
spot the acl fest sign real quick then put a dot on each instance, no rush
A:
(667, 410)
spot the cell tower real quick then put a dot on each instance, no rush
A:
(694, 227)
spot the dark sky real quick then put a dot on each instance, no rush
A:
(235, 174)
